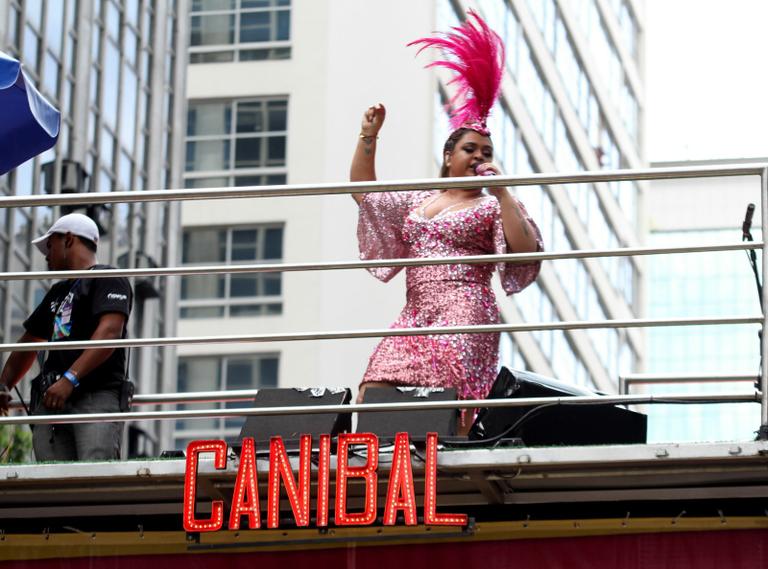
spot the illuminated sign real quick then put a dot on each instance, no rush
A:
(401, 495)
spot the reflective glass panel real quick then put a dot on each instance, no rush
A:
(31, 48)
(283, 25)
(128, 108)
(276, 151)
(248, 153)
(277, 112)
(273, 243)
(212, 29)
(244, 285)
(54, 27)
(250, 116)
(208, 155)
(111, 82)
(34, 11)
(205, 246)
(210, 5)
(209, 119)
(245, 244)
(255, 27)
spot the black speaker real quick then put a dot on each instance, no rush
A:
(556, 425)
(417, 424)
(291, 426)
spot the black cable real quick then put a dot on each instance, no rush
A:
(16, 389)
(752, 257)
(507, 431)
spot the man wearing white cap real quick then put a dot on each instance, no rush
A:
(75, 381)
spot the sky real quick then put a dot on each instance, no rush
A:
(706, 76)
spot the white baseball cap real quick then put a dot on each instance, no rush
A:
(74, 223)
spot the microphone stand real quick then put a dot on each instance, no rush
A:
(752, 256)
(746, 235)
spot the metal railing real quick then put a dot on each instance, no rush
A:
(628, 380)
(345, 265)
(760, 170)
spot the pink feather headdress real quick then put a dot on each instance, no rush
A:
(475, 53)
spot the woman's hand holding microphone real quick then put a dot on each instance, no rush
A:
(490, 169)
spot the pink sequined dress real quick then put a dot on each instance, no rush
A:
(393, 225)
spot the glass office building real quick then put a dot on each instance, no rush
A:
(115, 69)
(572, 100)
(702, 285)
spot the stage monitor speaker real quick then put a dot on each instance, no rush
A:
(559, 424)
(291, 426)
(417, 424)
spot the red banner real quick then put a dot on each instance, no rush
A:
(736, 549)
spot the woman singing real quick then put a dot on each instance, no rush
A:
(446, 223)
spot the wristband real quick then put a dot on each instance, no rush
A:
(71, 377)
(368, 136)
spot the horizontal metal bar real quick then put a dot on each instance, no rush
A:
(377, 333)
(383, 407)
(239, 47)
(195, 397)
(377, 186)
(219, 302)
(246, 394)
(342, 265)
(689, 378)
(174, 398)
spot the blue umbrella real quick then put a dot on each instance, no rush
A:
(29, 124)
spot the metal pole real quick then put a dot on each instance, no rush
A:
(671, 399)
(377, 186)
(374, 263)
(377, 333)
(646, 378)
(172, 398)
(762, 433)
(178, 398)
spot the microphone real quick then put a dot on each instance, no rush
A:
(490, 172)
(747, 225)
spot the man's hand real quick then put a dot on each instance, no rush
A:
(58, 393)
(17, 365)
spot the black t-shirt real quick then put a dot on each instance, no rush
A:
(70, 312)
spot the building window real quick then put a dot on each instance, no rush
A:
(239, 30)
(682, 286)
(220, 373)
(237, 143)
(221, 296)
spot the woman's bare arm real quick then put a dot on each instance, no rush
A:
(520, 236)
(363, 167)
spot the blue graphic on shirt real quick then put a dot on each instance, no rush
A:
(62, 321)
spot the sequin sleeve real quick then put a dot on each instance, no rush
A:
(380, 228)
(515, 276)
